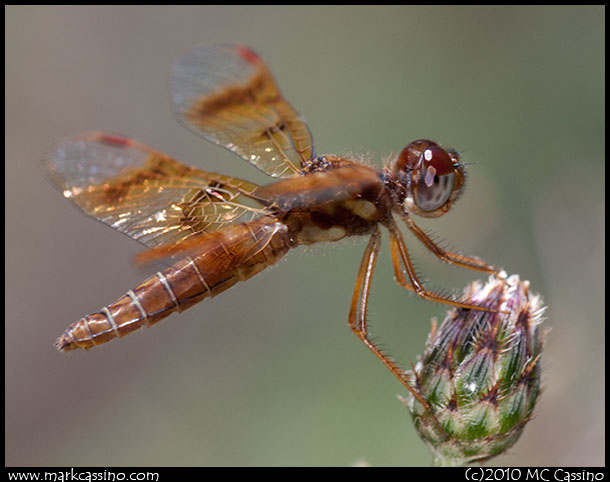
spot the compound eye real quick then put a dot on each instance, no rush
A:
(437, 179)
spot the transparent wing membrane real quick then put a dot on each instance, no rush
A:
(227, 95)
(143, 193)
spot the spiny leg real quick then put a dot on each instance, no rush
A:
(399, 252)
(357, 315)
(453, 258)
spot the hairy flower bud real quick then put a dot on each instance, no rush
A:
(480, 373)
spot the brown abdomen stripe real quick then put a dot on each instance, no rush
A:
(168, 288)
(137, 303)
(199, 275)
(235, 253)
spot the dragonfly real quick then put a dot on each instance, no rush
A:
(225, 230)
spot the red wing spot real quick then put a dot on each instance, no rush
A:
(248, 55)
(116, 141)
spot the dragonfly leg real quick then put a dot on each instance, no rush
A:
(447, 256)
(399, 252)
(357, 314)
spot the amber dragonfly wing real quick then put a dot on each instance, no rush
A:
(227, 95)
(143, 193)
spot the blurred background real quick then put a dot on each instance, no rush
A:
(268, 373)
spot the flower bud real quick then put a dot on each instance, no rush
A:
(480, 373)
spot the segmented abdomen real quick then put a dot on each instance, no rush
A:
(235, 253)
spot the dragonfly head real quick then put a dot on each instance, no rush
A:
(432, 178)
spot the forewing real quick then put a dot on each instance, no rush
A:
(226, 94)
(143, 193)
